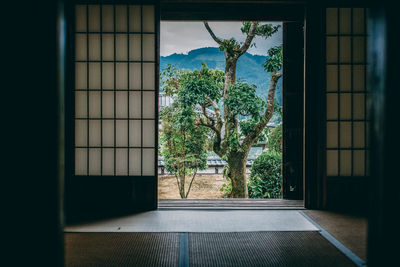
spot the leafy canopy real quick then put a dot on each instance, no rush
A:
(193, 87)
(182, 143)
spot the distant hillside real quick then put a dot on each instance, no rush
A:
(249, 67)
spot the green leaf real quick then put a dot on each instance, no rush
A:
(274, 61)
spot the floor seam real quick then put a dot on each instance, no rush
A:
(183, 250)
(353, 257)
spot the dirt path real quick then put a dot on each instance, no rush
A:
(204, 186)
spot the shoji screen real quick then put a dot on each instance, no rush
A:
(115, 90)
(346, 94)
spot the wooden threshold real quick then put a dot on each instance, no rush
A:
(230, 204)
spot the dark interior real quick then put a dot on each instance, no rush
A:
(42, 194)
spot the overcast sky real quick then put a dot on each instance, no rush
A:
(181, 37)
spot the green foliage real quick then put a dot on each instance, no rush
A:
(275, 139)
(197, 86)
(182, 144)
(249, 67)
(233, 140)
(265, 179)
(193, 87)
(264, 30)
(247, 125)
(274, 62)
(226, 189)
(243, 100)
(229, 46)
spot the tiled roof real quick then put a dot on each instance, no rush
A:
(212, 162)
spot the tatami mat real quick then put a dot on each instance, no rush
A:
(121, 249)
(264, 249)
(202, 249)
(201, 221)
(350, 230)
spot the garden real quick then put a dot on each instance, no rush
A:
(210, 110)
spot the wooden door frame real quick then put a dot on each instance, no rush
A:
(314, 109)
(312, 164)
(312, 141)
(293, 111)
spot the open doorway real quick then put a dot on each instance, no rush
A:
(113, 117)
(220, 110)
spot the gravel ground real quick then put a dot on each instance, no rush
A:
(203, 187)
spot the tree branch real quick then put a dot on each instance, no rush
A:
(216, 39)
(251, 138)
(217, 113)
(201, 122)
(203, 108)
(177, 181)
(172, 150)
(219, 146)
(249, 38)
(190, 185)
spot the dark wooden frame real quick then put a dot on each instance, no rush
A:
(314, 109)
(232, 11)
(293, 110)
(384, 183)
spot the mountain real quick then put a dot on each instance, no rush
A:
(249, 67)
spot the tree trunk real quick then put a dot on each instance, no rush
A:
(236, 160)
(183, 177)
(182, 187)
(230, 71)
(237, 174)
(230, 79)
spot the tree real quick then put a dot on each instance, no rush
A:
(211, 89)
(182, 146)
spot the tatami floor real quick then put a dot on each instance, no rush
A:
(350, 230)
(201, 221)
(346, 232)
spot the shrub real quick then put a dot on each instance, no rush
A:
(226, 189)
(265, 179)
(275, 139)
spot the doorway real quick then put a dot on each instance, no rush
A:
(292, 22)
(190, 47)
(113, 141)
